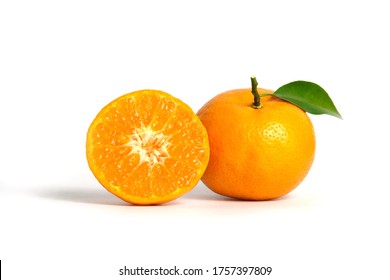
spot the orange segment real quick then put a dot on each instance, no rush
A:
(147, 147)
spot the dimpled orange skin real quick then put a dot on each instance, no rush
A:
(256, 154)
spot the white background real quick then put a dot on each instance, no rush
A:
(61, 61)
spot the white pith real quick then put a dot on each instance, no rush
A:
(152, 146)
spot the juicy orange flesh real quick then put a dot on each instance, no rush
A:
(147, 145)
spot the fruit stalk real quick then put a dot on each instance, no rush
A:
(257, 103)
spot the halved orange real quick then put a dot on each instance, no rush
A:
(147, 147)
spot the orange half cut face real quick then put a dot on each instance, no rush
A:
(147, 147)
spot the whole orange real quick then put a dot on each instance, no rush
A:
(256, 154)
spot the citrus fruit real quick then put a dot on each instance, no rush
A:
(147, 147)
(256, 154)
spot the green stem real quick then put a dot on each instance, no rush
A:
(256, 104)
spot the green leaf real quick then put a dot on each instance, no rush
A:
(308, 96)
